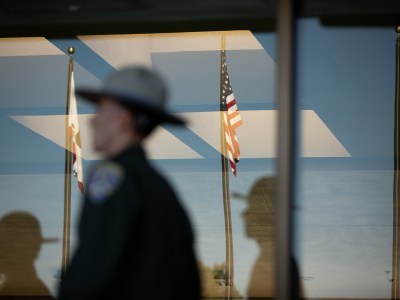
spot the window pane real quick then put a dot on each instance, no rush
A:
(345, 84)
(32, 115)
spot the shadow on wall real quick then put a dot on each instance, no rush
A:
(259, 219)
(20, 242)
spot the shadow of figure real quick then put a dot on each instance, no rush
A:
(20, 242)
(259, 219)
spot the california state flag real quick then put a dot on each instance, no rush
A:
(75, 135)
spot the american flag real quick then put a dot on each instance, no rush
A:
(74, 134)
(232, 118)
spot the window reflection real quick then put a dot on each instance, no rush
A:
(344, 204)
(32, 124)
(259, 222)
(20, 243)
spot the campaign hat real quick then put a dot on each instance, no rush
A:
(139, 87)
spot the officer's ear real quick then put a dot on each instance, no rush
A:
(145, 123)
(126, 119)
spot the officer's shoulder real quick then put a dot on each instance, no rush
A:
(105, 179)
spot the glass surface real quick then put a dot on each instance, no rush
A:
(34, 76)
(345, 82)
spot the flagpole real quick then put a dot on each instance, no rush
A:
(225, 193)
(67, 180)
(396, 182)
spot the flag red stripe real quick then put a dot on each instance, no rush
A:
(80, 186)
(233, 167)
(73, 153)
(230, 104)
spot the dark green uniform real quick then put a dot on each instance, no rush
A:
(135, 239)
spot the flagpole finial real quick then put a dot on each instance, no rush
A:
(398, 28)
(71, 50)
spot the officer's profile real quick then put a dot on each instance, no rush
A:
(135, 239)
(259, 220)
(20, 243)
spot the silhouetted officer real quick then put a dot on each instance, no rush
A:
(20, 242)
(259, 219)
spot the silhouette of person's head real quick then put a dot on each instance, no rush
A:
(19, 233)
(20, 241)
(259, 213)
(259, 222)
(259, 218)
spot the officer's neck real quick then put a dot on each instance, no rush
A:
(121, 143)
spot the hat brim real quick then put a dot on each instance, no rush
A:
(162, 116)
(240, 196)
(49, 240)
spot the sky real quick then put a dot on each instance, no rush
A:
(345, 76)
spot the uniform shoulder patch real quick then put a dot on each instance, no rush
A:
(104, 181)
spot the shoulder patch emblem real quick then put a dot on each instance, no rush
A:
(104, 181)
